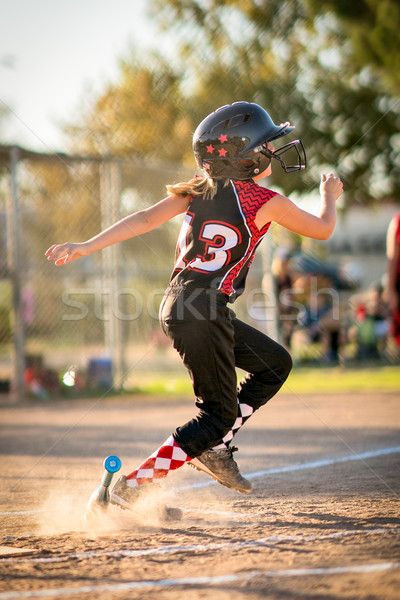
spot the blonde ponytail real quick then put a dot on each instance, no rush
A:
(194, 187)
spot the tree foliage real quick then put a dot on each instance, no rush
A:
(300, 59)
(137, 115)
(372, 26)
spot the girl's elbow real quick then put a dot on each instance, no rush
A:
(326, 233)
(322, 232)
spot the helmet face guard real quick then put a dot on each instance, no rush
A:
(298, 146)
(232, 142)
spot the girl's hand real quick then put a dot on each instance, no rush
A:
(64, 253)
(331, 185)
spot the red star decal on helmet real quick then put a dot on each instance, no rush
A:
(210, 149)
(222, 152)
(222, 138)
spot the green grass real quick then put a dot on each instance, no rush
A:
(343, 380)
(303, 380)
(175, 384)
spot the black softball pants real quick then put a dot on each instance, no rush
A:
(212, 342)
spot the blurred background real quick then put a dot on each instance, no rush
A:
(98, 104)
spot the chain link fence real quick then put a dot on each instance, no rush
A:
(97, 316)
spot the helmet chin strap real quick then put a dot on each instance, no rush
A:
(301, 155)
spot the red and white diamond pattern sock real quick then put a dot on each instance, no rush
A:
(168, 457)
(244, 412)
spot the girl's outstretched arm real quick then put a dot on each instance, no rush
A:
(283, 211)
(129, 227)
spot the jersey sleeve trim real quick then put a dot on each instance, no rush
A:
(252, 197)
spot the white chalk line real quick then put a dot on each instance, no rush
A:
(305, 466)
(289, 469)
(266, 541)
(221, 513)
(201, 581)
(18, 513)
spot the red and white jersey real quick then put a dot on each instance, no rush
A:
(218, 237)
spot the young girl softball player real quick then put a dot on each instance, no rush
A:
(227, 214)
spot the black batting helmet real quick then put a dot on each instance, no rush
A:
(231, 143)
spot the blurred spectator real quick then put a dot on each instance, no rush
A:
(319, 315)
(340, 276)
(312, 299)
(283, 281)
(40, 381)
(393, 275)
(371, 325)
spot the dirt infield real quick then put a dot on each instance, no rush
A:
(322, 521)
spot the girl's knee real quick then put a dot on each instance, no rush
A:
(287, 363)
(278, 372)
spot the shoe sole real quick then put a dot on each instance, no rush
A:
(196, 464)
(118, 501)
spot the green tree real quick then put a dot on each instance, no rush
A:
(372, 27)
(143, 115)
(294, 58)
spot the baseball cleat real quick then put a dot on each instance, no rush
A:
(124, 496)
(222, 467)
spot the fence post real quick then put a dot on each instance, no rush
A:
(110, 188)
(119, 367)
(15, 268)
